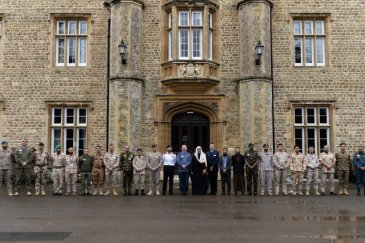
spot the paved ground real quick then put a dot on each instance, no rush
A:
(183, 219)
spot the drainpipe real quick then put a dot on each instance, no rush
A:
(107, 88)
(272, 85)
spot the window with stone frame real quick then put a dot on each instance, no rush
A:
(69, 128)
(189, 26)
(309, 41)
(71, 42)
(312, 127)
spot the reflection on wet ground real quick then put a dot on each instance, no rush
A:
(202, 219)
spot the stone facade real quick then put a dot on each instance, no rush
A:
(142, 92)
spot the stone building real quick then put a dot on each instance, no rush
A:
(194, 72)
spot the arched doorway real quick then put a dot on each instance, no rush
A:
(190, 128)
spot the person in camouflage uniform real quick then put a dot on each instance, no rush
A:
(98, 171)
(154, 163)
(126, 165)
(111, 163)
(139, 171)
(252, 170)
(40, 169)
(85, 167)
(6, 166)
(344, 163)
(71, 170)
(24, 159)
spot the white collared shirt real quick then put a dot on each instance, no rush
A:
(169, 159)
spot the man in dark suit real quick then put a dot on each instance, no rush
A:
(213, 157)
(225, 164)
(238, 163)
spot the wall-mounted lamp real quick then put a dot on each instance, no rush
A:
(122, 51)
(259, 49)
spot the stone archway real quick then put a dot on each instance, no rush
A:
(212, 110)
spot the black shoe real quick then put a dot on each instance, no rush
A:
(171, 193)
(136, 193)
(223, 193)
(55, 194)
(255, 193)
(163, 193)
(364, 192)
(142, 192)
(358, 192)
(125, 193)
(323, 194)
(228, 194)
(333, 193)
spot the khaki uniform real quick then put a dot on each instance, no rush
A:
(139, 167)
(312, 162)
(281, 164)
(42, 159)
(58, 172)
(297, 168)
(23, 155)
(344, 163)
(71, 170)
(154, 162)
(266, 168)
(327, 159)
(6, 169)
(111, 163)
(126, 165)
(98, 171)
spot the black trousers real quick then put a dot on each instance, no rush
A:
(226, 179)
(252, 177)
(127, 180)
(239, 182)
(168, 174)
(213, 177)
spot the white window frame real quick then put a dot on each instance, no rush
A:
(323, 52)
(303, 116)
(68, 27)
(58, 30)
(327, 138)
(68, 51)
(315, 116)
(53, 138)
(188, 18)
(81, 64)
(312, 39)
(188, 48)
(200, 14)
(57, 51)
(301, 51)
(315, 138)
(78, 117)
(322, 24)
(311, 27)
(200, 44)
(327, 115)
(65, 117)
(303, 138)
(300, 24)
(53, 116)
(78, 138)
(79, 30)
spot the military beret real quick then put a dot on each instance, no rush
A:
(58, 146)
(169, 146)
(4, 141)
(41, 144)
(265, 145)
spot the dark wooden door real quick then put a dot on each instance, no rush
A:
(191, 129)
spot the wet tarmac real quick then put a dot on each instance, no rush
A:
(182, 219)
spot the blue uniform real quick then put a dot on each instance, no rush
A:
(359, 161)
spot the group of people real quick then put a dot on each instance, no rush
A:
(102, 170)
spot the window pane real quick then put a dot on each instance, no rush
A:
(82, 116)
(308, 26)
(323, 116)
(297, 27)
(71, 50)
(82, 51)
(184, 18)
(210, 20)
(69, 138)
(311, 116)
(320, 50)
(57, 116)
(56, 138)
(312, 138)
(298, 116)
(210, 50)
(83, 27)
(60, 51)
(309, 50)
(72, 27)
(319, 27)
(184, 43)
(170, 20)
(197, 43)
(298, 50)
(70, 113)
(197, 18)
(60, 27)
(170, 45)
(299, 137)
(323, 137)
(81, 143)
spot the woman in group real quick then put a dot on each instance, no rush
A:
(198, 172)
